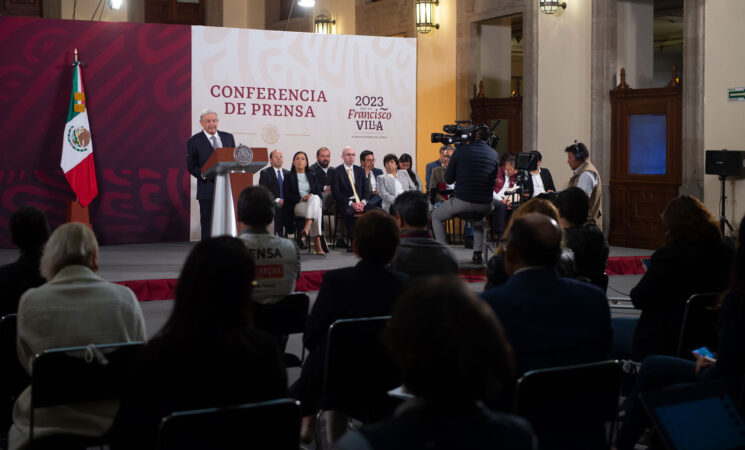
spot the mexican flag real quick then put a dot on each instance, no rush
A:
(77, 146)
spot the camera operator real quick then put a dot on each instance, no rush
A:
(474, 166)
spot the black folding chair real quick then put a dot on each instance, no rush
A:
(70, 375)
(272, 424)
(358, 371)
(285, 317)
(569, 406)
(13, 378)
(699, 326)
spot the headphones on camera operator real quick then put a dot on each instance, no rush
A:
(579, 150)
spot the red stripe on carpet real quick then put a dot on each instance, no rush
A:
(626, 265)
(165, 289)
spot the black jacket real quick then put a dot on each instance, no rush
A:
(548, 182)
(268, 179)
(473, 169)
(292, 193)
(198, 151)
(675, 273)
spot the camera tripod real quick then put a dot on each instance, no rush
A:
(722, 216)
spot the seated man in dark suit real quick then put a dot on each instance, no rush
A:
(323, 172)
(29, 231)
(419, 254)
(540, 180)
(549, 320)
(586, 240)
(272, 178)
(350, 190)
(367, 162)
(365, 290)
(435, 164)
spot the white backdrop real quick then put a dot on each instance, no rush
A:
(301, 91)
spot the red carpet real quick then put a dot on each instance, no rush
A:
(164, 289)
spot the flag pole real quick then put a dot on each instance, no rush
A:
(74, 211)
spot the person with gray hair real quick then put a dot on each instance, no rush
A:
(75, 307)
(199, 148)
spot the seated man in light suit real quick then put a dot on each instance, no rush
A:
(199, 148)
(273, 178)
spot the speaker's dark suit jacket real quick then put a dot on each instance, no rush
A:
(198, 151)
(341, 188)
(292, 193)
(548, 182)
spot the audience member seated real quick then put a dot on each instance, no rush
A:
(694, 260)
(586, 240)
(365, 290)
(393, 183)
(405, 163)
(453, 354)
(75, 307)
(435, 164)
(302, 194)
(277, 259)
(29, 230)
(207, 354)
(549, 320)
(419, 254)
(437, 177)
(320, 170)
(502, 203)
(350, 190)
(496, 275)
(658, 372)
(273, 178)
(540, 180)
(367, 162)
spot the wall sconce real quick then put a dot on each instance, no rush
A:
(551, 6)
(323, 24)
(425, 11)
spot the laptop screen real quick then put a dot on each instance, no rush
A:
(698, 416)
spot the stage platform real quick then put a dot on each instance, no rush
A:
(152, 269)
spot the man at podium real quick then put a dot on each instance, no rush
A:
(199, 148)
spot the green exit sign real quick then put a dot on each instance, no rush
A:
(736, 94)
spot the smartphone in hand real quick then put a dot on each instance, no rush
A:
(705, 353)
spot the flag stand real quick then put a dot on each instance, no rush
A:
(77, 213)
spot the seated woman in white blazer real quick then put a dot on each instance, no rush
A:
(394, 182)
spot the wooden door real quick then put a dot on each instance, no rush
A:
(646, 162)
(489, 110)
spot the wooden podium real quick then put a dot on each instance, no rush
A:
(232, 168)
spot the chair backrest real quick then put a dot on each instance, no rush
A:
(272, 424)
(699, 326)
(569, 399)
(13, 378)
(287, 316)
(90, 373)
(359, 372)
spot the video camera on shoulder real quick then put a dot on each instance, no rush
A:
(464, 131)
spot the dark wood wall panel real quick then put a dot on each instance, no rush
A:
(637, 201)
